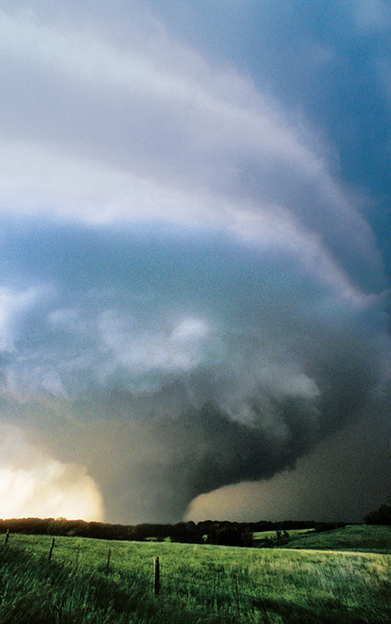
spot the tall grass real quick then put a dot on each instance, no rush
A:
(198, 584)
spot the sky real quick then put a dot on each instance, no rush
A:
(195, 259)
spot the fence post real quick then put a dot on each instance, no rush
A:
(108, 562)
(7, 536)
(157, 576)
(51, 550)
(237, 591)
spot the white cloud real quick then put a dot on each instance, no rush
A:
(145, 140)
(141, 351)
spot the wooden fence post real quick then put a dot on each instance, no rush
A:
(7, 536)
(51, 550)
(108, 563)
(156, 576)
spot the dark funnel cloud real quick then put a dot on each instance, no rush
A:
(170, 367)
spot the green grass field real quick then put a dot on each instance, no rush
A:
(259, 536)
(198, 583)
(356, 538)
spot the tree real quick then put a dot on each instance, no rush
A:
(381, 515)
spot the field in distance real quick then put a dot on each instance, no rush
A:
(355, 538)
(198, 583)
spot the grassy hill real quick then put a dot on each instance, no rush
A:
(199, 583)
(355, 538)
(352, 538)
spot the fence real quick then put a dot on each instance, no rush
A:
(227, 592)
(210, 583)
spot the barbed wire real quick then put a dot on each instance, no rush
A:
(229, 592)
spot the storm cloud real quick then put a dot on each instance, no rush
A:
(193, 293)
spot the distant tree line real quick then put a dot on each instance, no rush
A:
(381, 515)
(209, 531)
